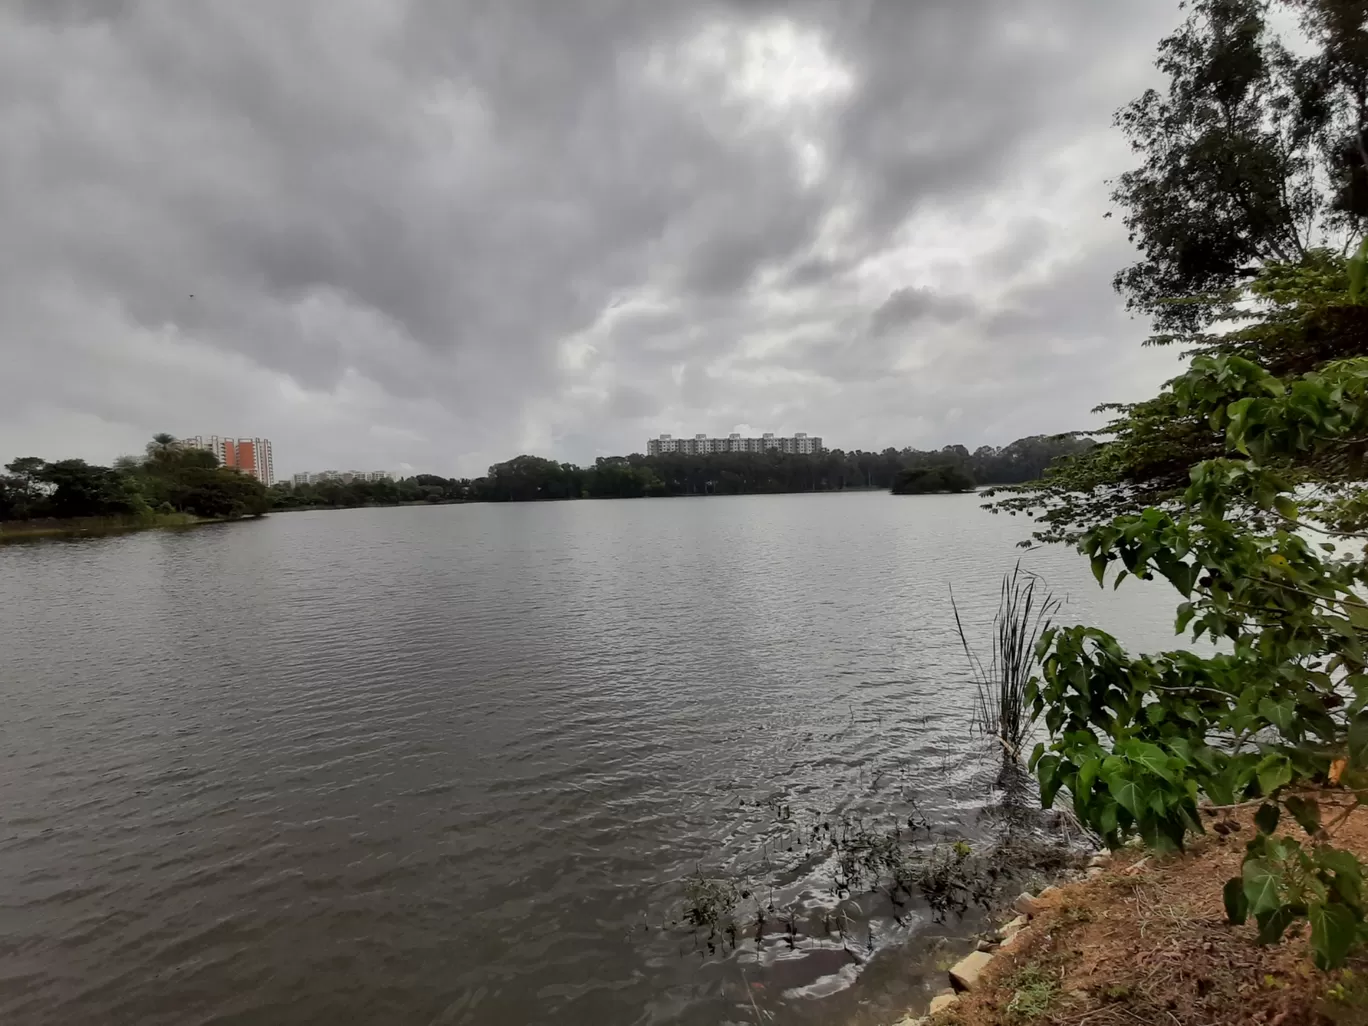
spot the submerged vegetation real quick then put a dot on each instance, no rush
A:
(855, 869)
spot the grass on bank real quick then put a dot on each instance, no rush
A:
(23, 530)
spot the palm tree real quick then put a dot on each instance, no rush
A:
(161, 443)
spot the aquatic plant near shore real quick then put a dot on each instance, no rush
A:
(1021, 619)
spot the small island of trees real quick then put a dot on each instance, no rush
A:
(169, 484)
(929, 480)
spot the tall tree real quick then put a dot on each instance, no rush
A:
(1250, 156)
(1253, 162)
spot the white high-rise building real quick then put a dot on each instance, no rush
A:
(345, 476)
(702, 445)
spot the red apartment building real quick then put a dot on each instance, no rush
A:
(249, 455)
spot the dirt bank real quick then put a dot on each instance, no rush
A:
(1146, 941)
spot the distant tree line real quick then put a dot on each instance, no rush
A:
(421, 488)
(532, 478)
(167, 478)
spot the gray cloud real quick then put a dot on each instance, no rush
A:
(388, 232)
(911, 304)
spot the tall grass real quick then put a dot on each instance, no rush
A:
(1022, 616)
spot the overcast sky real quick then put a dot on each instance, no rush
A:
(432, 234)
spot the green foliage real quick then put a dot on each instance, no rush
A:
(1251, 189)
(339, 494)
(1242, 482)
(1034, 990)
(1251, 153)
(1279, 714)
(1292, 321)
(191, 481)
(531, 478)
(169, 479)
(771, 472)
(926, 480)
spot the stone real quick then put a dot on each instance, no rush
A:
(1010, 942)
(1026, 904)
(1048, 893)
(943, 1001)
(1095, 872)
(964, 975)
(1101, 859)
(985, 945)
(1007, 929)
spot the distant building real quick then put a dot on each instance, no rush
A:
(702, 445)
(249, 455)
(344, 476)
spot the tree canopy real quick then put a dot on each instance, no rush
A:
(533, 478)
(168, 478)
(1253, 154)
(1243, 483)
(925, 480)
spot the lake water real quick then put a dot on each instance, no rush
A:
(455, 764)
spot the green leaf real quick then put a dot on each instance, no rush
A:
(1099, 567)
(1154, 759)
(1107, 821)
(1236, 904)
(1284, 505)
(1186, 611)
(1357, 613)
(1304, 811)
(1333, 931)
(1128, 794)
(1087, 774)
(1280, 714)
(1274, 922)
(1260, 886)
(1358, 741)
(1274, 771)
(1266, 819)
(1047, 772)
(1342, 862)
(1220, 791)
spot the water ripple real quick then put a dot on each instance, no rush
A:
(452, 764)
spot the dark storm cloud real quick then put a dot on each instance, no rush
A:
(438, 233)
(910, 304)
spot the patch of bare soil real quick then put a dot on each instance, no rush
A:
(1153, 947)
